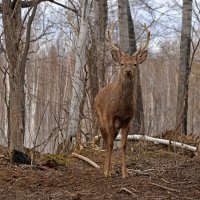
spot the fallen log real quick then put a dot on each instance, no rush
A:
(160, 141)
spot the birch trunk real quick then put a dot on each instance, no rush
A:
(160, 141)
(31, 104)
(78, 82)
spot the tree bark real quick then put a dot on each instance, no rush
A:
(96, 56)
(12, 29)
(77, 82)
(126, 28)
(184, 68)
(101, 16)
(16, 52)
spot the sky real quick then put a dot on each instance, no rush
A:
(164, 17)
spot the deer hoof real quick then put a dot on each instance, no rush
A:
(107, 174)
(125, 173)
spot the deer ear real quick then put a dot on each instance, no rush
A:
(116, 55)
(141, 57)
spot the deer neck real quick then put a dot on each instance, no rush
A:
(126, 87)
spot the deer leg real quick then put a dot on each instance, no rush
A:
(105, 138)
(124, 133)
(106, 157)
(109, 148)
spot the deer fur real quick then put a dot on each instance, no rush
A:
(114, 104)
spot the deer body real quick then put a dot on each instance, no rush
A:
(114, 104)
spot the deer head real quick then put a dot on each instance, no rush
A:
(128, 63)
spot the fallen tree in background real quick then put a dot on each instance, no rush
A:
(160, 141)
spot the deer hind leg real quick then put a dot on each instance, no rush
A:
(124, 133)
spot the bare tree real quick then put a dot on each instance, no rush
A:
(96, 56)
(126, 27)
(16, 52)
(17, 34)
(78, 78)
(184, 68)
(101, 16)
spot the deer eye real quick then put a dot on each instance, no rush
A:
(135, 64)
(122, 64)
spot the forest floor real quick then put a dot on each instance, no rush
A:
(155, 172)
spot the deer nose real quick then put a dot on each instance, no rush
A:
(128, 71)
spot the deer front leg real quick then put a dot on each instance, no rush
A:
(109, 148)
(124, 133)
(105, 138)
(109, 140)
(107, 152)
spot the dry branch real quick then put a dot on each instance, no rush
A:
(86, 160)
(2, 156)
(127, 191)
(28, 4)
(164, 187)
(160, 141)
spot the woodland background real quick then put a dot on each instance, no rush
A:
(55, 57)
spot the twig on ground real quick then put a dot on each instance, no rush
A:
(164, 187)
(164, 180)
(142, 172)
(127, 191)
(86, 160)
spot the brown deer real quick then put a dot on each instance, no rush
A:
(114, 104)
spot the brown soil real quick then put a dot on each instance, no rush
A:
(155, 172)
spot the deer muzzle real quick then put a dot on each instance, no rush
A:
(128, 72)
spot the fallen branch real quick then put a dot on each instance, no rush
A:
(164, 180)
(86, 160)
(2, 156)
(127, 191)
(164, 187)
(160, 141)
(142, 172)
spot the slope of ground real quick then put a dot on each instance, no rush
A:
(155, 173)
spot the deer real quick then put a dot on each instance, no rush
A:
(114, 104)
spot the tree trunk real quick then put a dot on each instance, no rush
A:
(12, 28)
(126, 28)
(16, 52)
(101, 16)
(184, 68)
(96, 56)
(77, 82)
(128, 45)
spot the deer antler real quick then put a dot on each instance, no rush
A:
(141, 49)
(148, 38)
(110, 31)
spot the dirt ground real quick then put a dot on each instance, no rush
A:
(155, 172)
